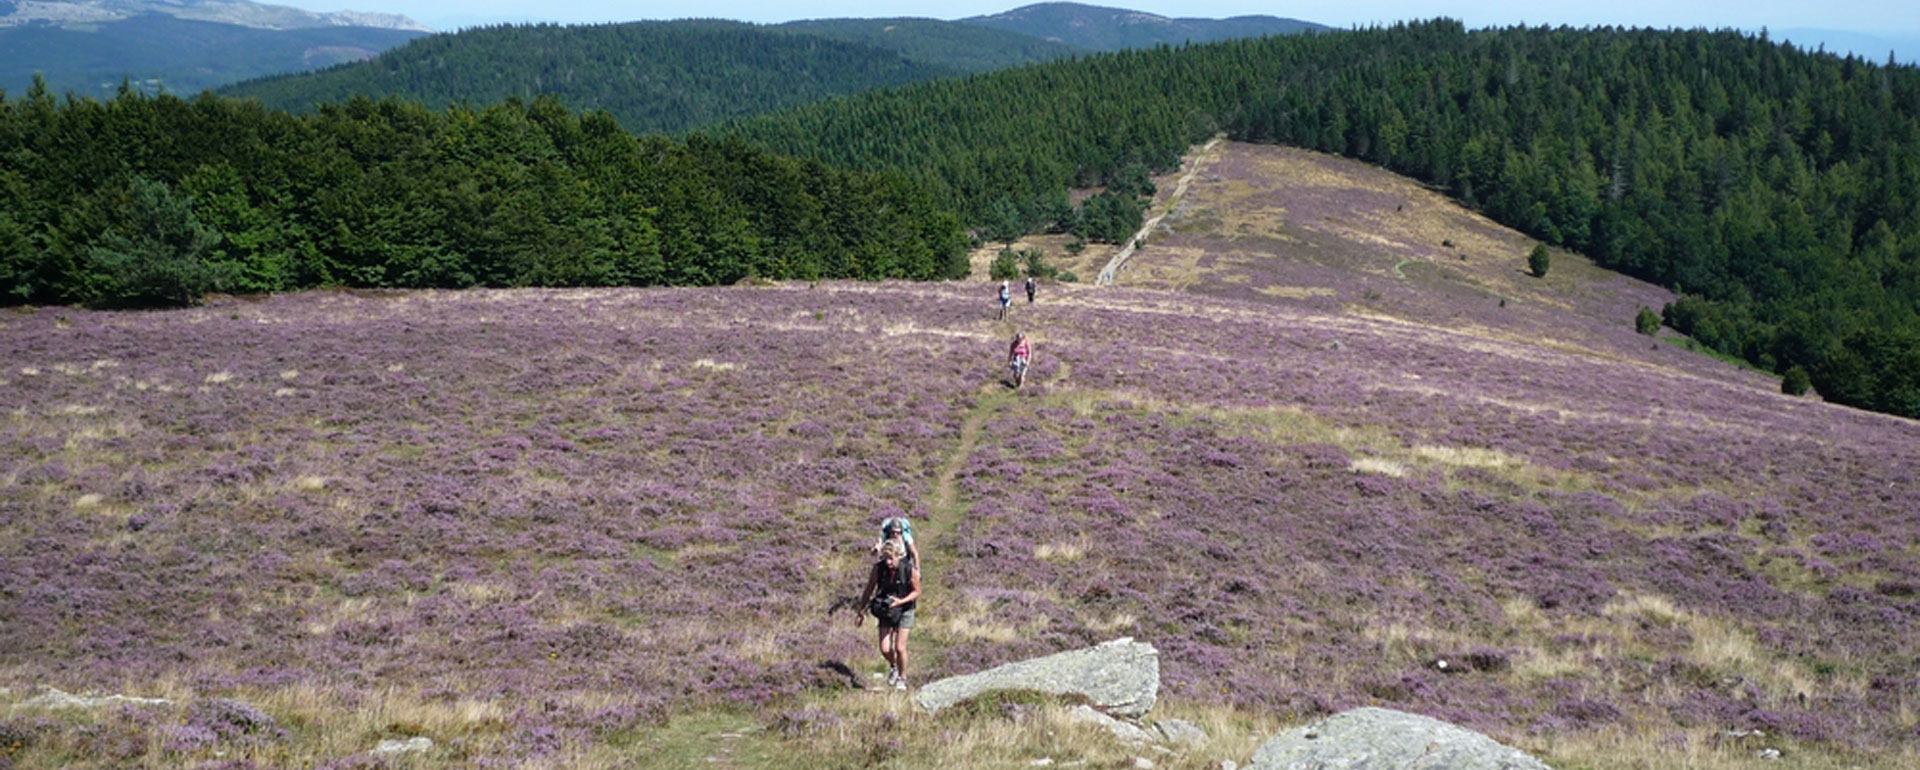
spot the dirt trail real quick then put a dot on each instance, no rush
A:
(1120, 257)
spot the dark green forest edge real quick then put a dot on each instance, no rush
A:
(1776, 189)
(152, 201)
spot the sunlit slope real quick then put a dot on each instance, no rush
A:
(629, 504)
(1305, 229)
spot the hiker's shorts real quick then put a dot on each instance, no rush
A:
(906, 621)
(1019, 366)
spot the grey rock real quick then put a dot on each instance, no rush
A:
(54, 698)
(1768, 753)
(1228, 764)
(408, 746)
(1120, 677)
(1384, 739)
(1041, 762)
(1142, 763)
(1125, 731)
(1180, 731)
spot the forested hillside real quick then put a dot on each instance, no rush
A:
(960, 45)
(1101, 28)
(152, 201)
(657, 76)
(184, 56)
(1776, 188)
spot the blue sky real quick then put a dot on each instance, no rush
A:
(1890, 20)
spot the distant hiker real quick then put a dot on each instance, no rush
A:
(893, 587)
(1018, 355)
(897, 528)
(1030, 288)
(1006, 298)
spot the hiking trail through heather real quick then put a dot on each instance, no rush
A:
(1108, 273)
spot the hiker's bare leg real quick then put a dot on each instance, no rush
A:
(886, 645)
(900, 650)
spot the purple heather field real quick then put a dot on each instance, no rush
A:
(652, 497)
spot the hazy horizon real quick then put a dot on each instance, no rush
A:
(1867, 29)
(1843, 15)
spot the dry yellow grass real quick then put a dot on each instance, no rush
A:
(1380, 467)
(1064, 551)
(1296, 292)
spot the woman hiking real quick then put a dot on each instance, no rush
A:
(893, 586)
(1018, 356)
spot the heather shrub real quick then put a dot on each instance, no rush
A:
(229, 719)
(804, 721)
(17, 733)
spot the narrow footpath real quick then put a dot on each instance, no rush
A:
(1179, 189)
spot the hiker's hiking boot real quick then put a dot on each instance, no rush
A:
(899, 683)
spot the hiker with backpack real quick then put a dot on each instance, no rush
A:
(1006, 298)
(1018, 356)
(897, 528)
(893, 587)
(1031, 286)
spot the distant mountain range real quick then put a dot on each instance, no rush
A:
(1111, 29)
(672, 76)
(70, 13)
(1872, 47)
(89, 48)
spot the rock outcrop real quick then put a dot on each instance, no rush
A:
(1120, 677)
(412, 745)
(1384, 739)
(55, 698)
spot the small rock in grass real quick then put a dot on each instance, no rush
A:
(1228, 764)
(1121, 677)
(1180, 731)
(1768, 753)
(412, 745)
(55, 698)
(1142, 763)
(1123, 730)
(1041, 762)
(1383, 738)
